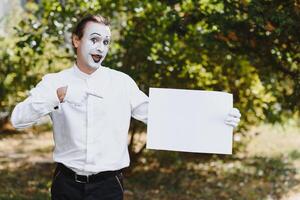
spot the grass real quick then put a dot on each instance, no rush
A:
(269, 169)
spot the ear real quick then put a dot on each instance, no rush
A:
(76, 41)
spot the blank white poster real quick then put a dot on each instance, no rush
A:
(189, 121)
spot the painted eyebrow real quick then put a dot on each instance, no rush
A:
(99, 35)
(96, 34)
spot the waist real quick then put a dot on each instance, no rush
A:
(86, 178)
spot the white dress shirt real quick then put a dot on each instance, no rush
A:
(91, 126)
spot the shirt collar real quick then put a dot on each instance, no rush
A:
(83, 75)
(101, 81)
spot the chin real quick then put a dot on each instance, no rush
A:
(94, 65)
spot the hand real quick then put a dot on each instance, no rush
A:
(61, 93)
(233, 118)
(77, 96)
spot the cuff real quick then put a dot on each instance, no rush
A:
(53, 101)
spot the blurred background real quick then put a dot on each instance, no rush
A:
(250, 48)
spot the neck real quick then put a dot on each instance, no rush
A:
(85, 69)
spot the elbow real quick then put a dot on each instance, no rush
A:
(17, 124)
(14, 121)
(145, 121)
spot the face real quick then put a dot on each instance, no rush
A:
(93, 46)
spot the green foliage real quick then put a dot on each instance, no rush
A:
(25, 57)
(216, 45)
(248, 48)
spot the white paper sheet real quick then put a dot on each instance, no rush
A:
(189, 120)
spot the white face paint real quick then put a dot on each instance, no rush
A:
(94, 44)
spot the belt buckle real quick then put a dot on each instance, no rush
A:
(81, 181)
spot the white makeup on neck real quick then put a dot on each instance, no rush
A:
(94, 45)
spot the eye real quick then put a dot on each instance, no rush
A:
(105, 42)
(94, 40)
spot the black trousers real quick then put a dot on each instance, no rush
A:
(65, 187)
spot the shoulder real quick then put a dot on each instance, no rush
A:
(57, 76)
(55, 79)
(115, 74)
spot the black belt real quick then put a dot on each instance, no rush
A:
(89, 178)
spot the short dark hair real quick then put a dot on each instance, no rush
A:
(79, 28)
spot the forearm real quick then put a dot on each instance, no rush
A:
(41, 101)
(30, 111)
(141, 112)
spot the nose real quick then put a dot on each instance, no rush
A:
(100, 47)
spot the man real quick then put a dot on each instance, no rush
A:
(91, 107)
